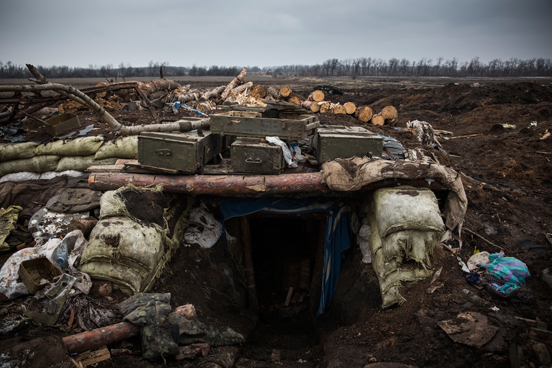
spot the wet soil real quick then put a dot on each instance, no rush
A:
(507, 176)
(146, 206)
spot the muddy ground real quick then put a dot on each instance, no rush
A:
(507, 177)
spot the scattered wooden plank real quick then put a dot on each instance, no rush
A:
(467, 136)
(123, 161)
(289, 295)
(92, 357)
(106, 168)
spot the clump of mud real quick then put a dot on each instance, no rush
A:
(146, 206)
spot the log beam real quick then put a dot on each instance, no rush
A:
(230, 185)
(215, 184)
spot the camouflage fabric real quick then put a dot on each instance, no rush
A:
(193, 331)
(162, 330)
(151, 311)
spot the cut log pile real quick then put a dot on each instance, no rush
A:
(167, 94)
(316, 103)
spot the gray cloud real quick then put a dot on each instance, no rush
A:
(246, 32)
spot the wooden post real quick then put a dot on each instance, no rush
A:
(248, 263)
(316, 283)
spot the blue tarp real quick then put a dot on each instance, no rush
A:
(337, 230)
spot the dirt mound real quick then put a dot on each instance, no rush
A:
(146, 206)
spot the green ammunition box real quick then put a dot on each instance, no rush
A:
(251, 124)
(186, 152)
(252, 155)
(334, 141)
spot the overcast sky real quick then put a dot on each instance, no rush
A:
(78, 33)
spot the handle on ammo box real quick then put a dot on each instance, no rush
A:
(163, 152)
(253, 160)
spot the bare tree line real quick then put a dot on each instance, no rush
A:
(423, 68)
(514, 67)
(11, 70)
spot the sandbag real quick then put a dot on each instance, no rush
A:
(37, 164)
(112, 205)
(125, 147)
(81, 163)
(17, 151)
(84, 146)
(128, 252)
(48, 175)
(406, 208)
(126, 242)
(389, 272)
(355, 173)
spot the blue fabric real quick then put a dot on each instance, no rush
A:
(509, 269)
(337, 238)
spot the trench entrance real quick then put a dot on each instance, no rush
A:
(287, 253)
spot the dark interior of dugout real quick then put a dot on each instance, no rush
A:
(287, 254)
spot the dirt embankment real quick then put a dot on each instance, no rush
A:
(507, 176)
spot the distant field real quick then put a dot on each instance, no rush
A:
(212, 81)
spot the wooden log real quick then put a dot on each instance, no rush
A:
(212, 93)
(350, 108)
(216, 184)
(318, 96)
(91, 340)
(81, 98)
(378, 120)
(285, 91)
(306, 104)
(295, 99)
(258, 92)
(364, 113)
(94, 339)
(148, 104)
(157, 85)
(272, 92)
(315, 106)
(310, 105)
(337, 109)
(233, 84)
(324, 106)
(242, 88)
(389, 113)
